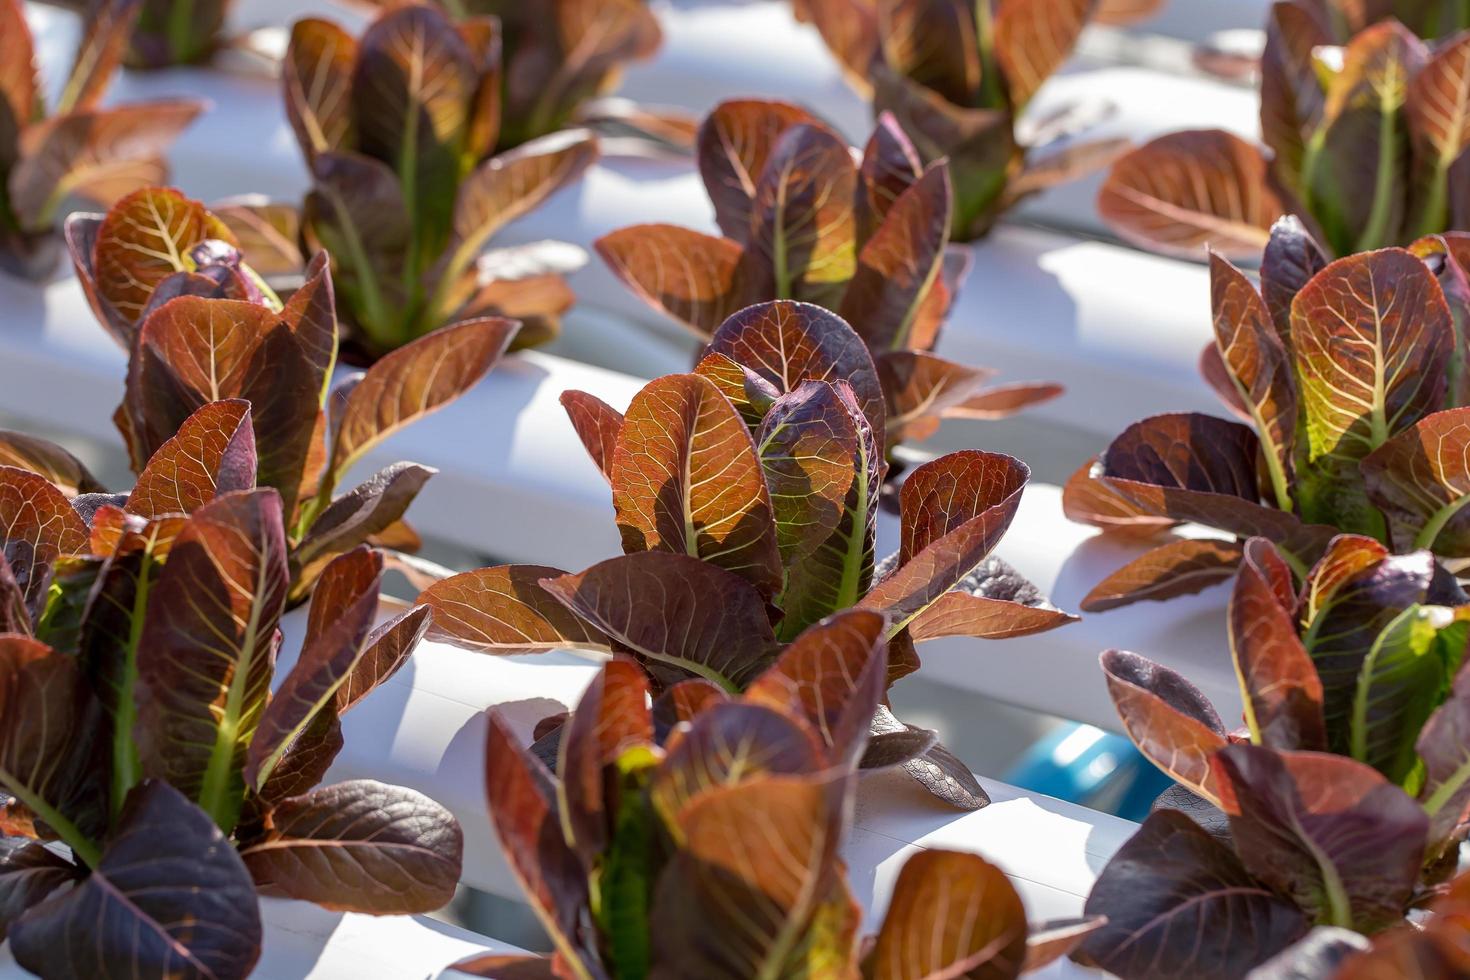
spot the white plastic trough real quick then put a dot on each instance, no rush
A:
(304, 942)
(515, 483)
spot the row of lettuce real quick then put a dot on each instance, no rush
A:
(753, 632)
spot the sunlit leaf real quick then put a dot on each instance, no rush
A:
(1279, 684)
(504, 609)
(208, 648)
(696, 279)
(735, 141)
(687, 479)
(952, 914)
(212, 453)
(1184, 191)
(1170, 721)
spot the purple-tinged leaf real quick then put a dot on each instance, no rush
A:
(1444, 746)
(803, 240)
(612, 716)
(1171, 722)
(993, 602)
(1330, 832)
(96, 155)
(682, 617)
(1186, 191)
(1032, 40)
(735, 141)
(597, 424)
(1193, 467)
(192, 351)
(1279, 683)
(899, 264)
(61, 468)
(416, 380)
(360, 846)
(768, 847)
(787, 343)
(1089, 500)
(682, 703)
(145, 238)
(954, 512)
(1179, 903)
(1343, 625)
(1372, 337)
(522, 801)
(386, 649)
(921, 389)
(362, 513)
(1292, 257)
(1050, 940)
(37, 526)
(890, 166)
(342, 610)
(169, 897)
(1420, 480)
(833, 675)
(730, 744)
(1181, 567)
(1258, 365)
(50, 728)
(807, 445)
(29, 871)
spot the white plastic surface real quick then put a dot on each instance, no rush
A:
(304, 942)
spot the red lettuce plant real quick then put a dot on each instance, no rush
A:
(137, 726)
(1370, 152)
(1351, 380)
(957, 76)
(73, 149)
(170, 288)
(1343, 803)
(397, 130)
(802, 220)
(746, 494)
(559, 56)
(700, 836)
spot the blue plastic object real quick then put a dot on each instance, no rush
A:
(1085, 765)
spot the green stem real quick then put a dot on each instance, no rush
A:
(127, 767)
(81, 845)
(214, 790)
(1435, 524)
(180, 30)
(991, 96)
(1376, 231)
(1434, 217)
